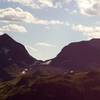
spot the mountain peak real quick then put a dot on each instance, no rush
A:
(5, 35)
(95, 40)
(6, 38)
(83, 55)
(11, 49)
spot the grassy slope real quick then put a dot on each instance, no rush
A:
(43, 86)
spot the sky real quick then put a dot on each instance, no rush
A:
(44, 27)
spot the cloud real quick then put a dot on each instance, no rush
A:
(1, 33)
(30, 3)
(38, 4)
(89, 7)
(90, 31)
(74, 12)
(30, 48)
(48, 3)
(35, 4)
(19, 15)
(48, 22)
(45, 44)
(15, 15)
(53, 22)
(33, 51)
(13, 28)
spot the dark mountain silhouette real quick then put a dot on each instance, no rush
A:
(84, 55)
(12, 54)
(49, 80)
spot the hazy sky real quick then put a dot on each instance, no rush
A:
(46, 26)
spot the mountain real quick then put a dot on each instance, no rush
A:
(13, 54)
(84, 55)
(49, 80)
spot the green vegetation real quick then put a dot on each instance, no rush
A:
(39, 83)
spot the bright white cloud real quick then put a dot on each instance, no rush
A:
(90, 31)
(48, 3)
(47, 22)
(30, 3)
(13, 28)
(53, 22)
(18, 15)
(38, 4)
(1, 33)
(33, 51)
(30, 48)
(45, 44)
(89, 7)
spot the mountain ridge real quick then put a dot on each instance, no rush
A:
(79, 55)
(13, 54)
